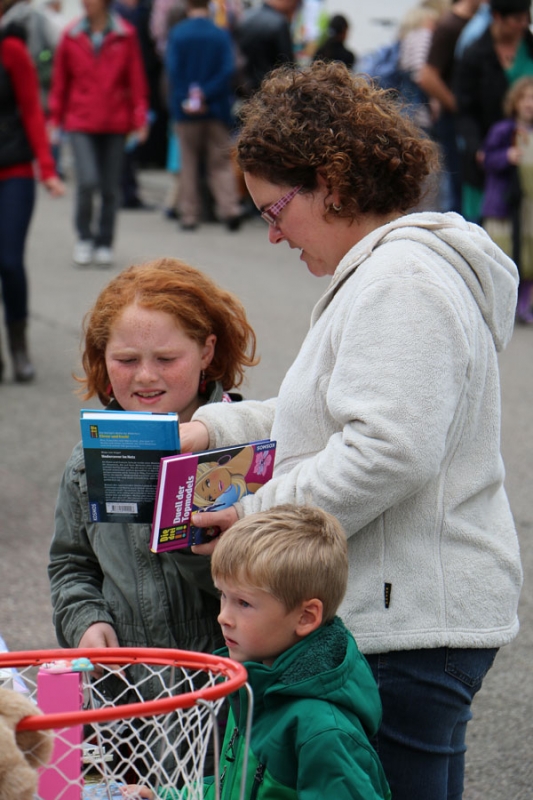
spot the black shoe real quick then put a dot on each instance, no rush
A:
(138, 205)
(233, 223)
(171, 213)
(188, 226)
(23, 369)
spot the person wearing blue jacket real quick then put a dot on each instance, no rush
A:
(200, 66)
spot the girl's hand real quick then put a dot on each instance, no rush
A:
(514, 155)
(219, 521)
(54, 134)
(101, 634)
(132, 790)
(54, 186)
(193, 437)
(141, 134)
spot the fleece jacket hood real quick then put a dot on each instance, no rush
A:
(489, 274)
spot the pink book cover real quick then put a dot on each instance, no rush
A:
(61, 778)
(207, 481)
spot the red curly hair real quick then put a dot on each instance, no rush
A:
(325, 120)
(198, 305)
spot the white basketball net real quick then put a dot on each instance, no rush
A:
(166, 753)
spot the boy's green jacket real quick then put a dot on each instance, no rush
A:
(314, 711)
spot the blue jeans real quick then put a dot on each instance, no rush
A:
(426, 697)
(17, 198)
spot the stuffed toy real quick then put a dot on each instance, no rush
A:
(20, 753)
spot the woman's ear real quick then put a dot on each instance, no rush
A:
(208, 351)
(331, 195)
(310, 617)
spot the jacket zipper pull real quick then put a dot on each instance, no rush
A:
(229, 755)
(222, 779)
(258, 780)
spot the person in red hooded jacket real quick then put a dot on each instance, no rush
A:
(99, 96)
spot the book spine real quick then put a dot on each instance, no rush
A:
(174, 504)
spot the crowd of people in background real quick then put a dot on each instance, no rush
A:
(161, 82)
(468, 58)
(128, 81)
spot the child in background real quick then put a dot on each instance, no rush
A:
(333, 48)
(161, 337)
(282, 575)
(508, 202)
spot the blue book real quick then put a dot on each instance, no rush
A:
(122, 451)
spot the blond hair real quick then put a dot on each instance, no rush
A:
(295, 553)
(515, 93)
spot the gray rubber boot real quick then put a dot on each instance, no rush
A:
(23, 369)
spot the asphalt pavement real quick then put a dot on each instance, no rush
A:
(39, 425)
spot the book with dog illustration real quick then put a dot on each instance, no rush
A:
(206, 481)
(122, 451)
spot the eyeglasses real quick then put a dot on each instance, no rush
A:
(271, 214)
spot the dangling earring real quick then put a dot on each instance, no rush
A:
(202, 388)
(336, 207)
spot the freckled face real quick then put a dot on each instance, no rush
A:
(153, 365)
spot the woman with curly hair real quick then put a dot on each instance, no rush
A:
(161, 337)
(389, 417)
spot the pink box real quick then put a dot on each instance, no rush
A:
(61, 779)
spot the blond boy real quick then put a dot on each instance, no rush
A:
(282, 575)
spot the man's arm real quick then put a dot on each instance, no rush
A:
(432, 84)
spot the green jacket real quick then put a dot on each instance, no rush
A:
(105, 572)
(314, 711)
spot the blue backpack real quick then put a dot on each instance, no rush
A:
(383, 65)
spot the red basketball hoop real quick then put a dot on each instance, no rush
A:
(143, 716)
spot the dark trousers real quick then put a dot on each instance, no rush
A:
(17, 198)
(445, 134)
(98, 165)
(426, 697)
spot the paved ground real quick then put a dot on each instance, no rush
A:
(39, 426)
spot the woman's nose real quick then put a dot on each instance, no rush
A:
(275, 236)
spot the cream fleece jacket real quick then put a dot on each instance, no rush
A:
(389, 418)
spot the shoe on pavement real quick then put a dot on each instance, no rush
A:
(137, 204)
(83, 252)
(103, 256)
(234, 223)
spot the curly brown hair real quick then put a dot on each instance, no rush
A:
(199, 306)
(324, 119)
